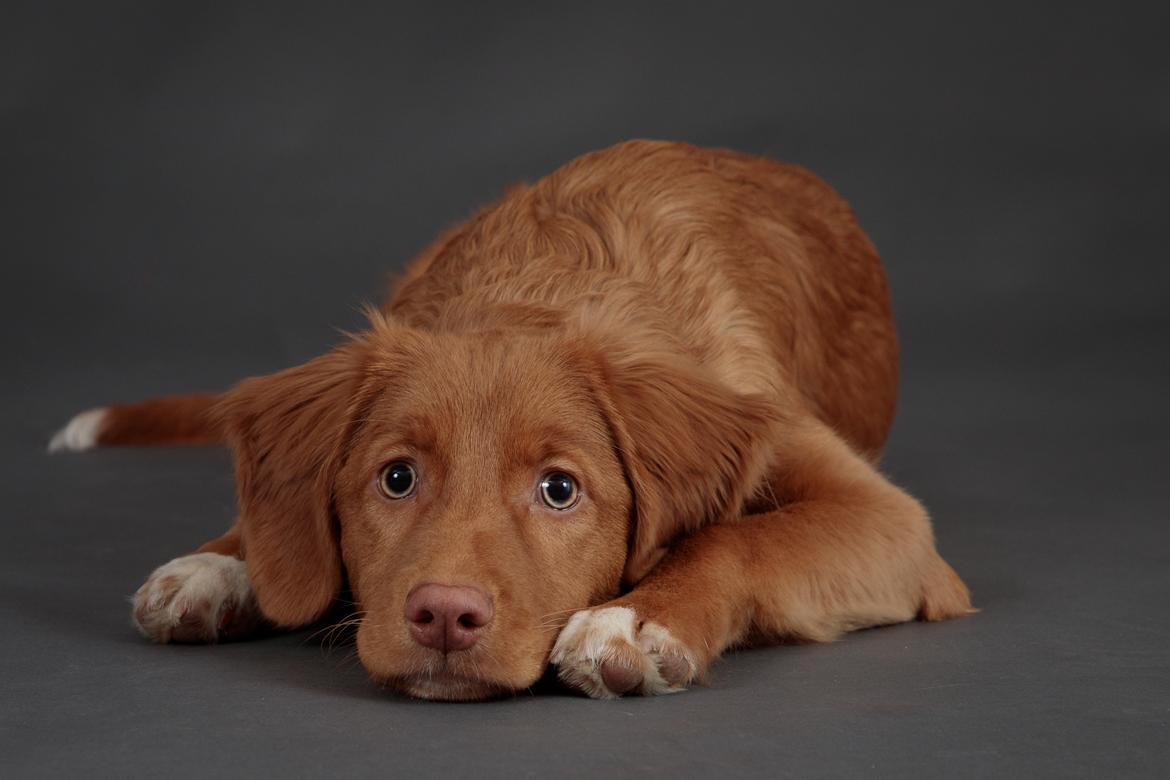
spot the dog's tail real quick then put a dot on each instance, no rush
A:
(169, 420)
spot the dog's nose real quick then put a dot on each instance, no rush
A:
(447, 617)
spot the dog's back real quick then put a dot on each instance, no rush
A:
(756, 267)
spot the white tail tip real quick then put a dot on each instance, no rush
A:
(80, 434)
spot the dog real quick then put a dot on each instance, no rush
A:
(623, 419)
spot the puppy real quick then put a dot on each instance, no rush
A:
(623, 419)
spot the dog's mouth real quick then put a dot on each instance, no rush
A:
(476, 673)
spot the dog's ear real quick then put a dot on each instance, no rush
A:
(692, 448)
(287, 432)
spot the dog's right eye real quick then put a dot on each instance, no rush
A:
(558, 490)
(397, 480)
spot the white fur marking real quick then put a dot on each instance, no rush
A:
(80, 434)
(592, 637)
(200, 587)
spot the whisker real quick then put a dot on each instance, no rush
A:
(332, 633)
(550, 618)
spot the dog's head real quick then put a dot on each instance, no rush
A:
(475, 489)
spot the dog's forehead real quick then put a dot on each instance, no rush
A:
(495, 385)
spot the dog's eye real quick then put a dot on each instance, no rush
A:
(558, 490)
(397, 479)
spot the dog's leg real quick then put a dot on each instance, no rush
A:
(845, 550)
(202, 597)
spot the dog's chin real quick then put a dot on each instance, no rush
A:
(446, 684)
(445, 687)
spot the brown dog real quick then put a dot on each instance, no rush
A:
(622, 420)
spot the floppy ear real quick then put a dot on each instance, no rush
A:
(692, 448)
(287, 431)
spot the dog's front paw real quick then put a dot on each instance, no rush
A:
(608, 652)
(203, 597)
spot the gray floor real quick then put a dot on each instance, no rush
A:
(195, 198)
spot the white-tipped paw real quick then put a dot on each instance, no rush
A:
(608, 652)
(80, 433)
(203, 597)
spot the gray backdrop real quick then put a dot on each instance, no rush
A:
(197, 192)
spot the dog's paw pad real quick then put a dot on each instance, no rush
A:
(196, 599)
(608, 652)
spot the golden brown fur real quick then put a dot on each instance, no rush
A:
(701, 337)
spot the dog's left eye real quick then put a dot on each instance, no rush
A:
(558, 490)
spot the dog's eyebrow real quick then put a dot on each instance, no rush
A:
(536, 444)
(403, 430)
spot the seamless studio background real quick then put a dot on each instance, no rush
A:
(197, 193)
